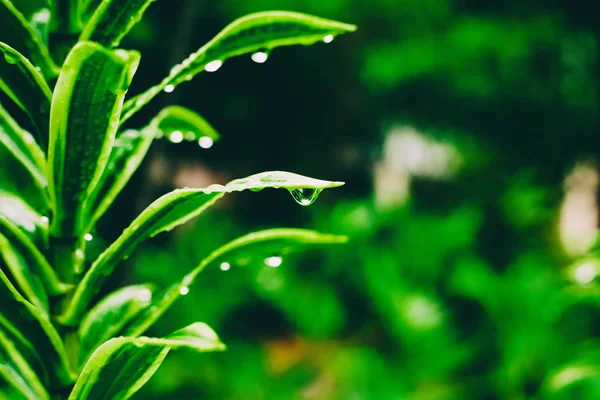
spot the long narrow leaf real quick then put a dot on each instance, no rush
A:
(32, 256)
(15, 369)
(28, 283)
(112, 20)
(26, 87)
(281, 240)
(22, 147)
(17, 32)
(262, 31)
(121, 366)
(131, 147)
(84, 118)
(107, 319)
(171, 210)
(18, 314)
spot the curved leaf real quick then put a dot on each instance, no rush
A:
(32, 256)
(121, 366)
(22, 146)
(23, 217)
(17, 32)
(107, 319)
(16, 371)
(166, 213)
(255, 32)
(35, 330)
(84, 117)
(131, 147)
(26, 87)
(29, 284)
(282, 240)
(112, 20)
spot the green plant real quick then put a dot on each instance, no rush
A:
(57, 339)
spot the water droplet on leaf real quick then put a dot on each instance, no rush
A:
(328, 38)
(260, 57)
(205, 142)
(225, 266)
(176, 136)
(273, 261)
(213, 66)
(169, 88)
(184, 290)
(88, 237)
(305, 197)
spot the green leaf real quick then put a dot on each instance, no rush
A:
(22, 147)
(121, 366)
(261, 31)
(84, 118)
(34, 330)
(112, 20)
(26, 87)
(282, 241)
(22, 216)
(19, 34)
(16, 371)
(29, 284)
(166, 213)
(131, 147)
(32, 256)
(107, 319)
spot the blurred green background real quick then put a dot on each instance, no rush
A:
(467, 134)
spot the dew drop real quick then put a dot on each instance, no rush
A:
(10, 58)
(184, 290)
(273, 261)
(189, 136)
(44, 219)
(88, 237)
(260, 57)
(176, 136)
(213, 66)
(205, 142)
(305, 197)
(169, 88)
(225, 266)
(328, 38)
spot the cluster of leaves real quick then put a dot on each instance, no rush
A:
(57, 339)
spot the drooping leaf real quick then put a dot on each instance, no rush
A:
(112, 20)
(121, 366)
(26, 87)
(28, 283)
(281, 240)
(32, 256)
(261, 31)
(16, 371)
(84, 118)
(166, 213)
(107, 319)
(22, 147)
(24, 217)
(17, 33)
(131, 147)
(34, 330)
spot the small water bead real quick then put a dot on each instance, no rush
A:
(176, 136)
(205, 142)
(184, 290)
(305, 197)
(260, 57)
(328, 38)
(10, 58)
(225, 266)
(88, 237)
(273, 261)
(213, 66)
(44, 219)
(189, 136)
(586, 273)
(169, 88)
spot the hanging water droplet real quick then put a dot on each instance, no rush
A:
(44, 219)
(305, 197)
(225, 266)
(260, 57)
(328, 38)
(158, 134)
(10, 58)
(256, 189)
(273, 261)
(88, 237)
(176, 136)
(189, 136)
(184, 290)
(38, 69)
(213, 66)
(169, 88)
(205, 142)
